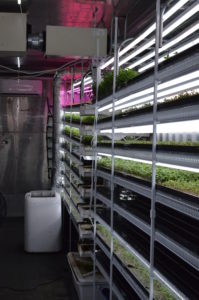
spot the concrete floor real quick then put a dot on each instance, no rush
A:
(26, 276)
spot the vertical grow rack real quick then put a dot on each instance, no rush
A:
(164, 262)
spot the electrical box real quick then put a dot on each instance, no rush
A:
(75, 41)
(13, 32)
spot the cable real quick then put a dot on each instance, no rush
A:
(37, 72)
(49, 107)
(32, 288)
(21, 9)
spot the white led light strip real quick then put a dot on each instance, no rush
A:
(185, 16)
(86, 81)
(195, 170)
(171, 54)
(167, 15)
(149, 92)
(193, 28)
(137, 52)
(125, 99)
(180, 127)
(150, 163)
(169, 92)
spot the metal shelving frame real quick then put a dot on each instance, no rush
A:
(164, 155)
(184, 113)
(178, 203)
(74, 153)
(155, 155)
(184, 253)
(154, 194)
(49, 144)
(157, 275)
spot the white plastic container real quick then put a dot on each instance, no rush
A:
(83, 277)
(43, 222)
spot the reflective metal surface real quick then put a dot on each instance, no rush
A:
(23, 165)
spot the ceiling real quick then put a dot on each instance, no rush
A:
(81, 13)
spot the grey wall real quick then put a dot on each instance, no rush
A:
(23, 164)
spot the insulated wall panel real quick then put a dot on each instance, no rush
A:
(23, 87)
(75, 41)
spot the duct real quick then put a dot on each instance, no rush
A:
(56, 131)
(36, 41)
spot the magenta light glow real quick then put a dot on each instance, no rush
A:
(65, 97)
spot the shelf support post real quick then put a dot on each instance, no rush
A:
(70, 208)
(112, 156)
(94, 169)
(153, 187)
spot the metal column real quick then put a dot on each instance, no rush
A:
(112, 156)
(153, 188)
(70, 209)
(94, 169)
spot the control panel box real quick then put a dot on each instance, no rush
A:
(13, 34)
(75, 41)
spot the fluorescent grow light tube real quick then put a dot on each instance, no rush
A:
(135, 102)
(146, 33)
(76, 83)
(131, 45)
(170, 92)
(171, 54)
(104, 107)
(62, 140)
(195, 170)
(126, 130)
(61, 127)
(186, 15)
(181, 79)
(177, 89)
(107, 63)
(180, 127)
(134, 159)
(62, 152)
(136, 95)
(88, 82)
(174, 9)
(85, 81)
(125, 99)
(181, 19)
(180, 37)
(62, 113)
(137, 52)
(148, 92)
(104, 154)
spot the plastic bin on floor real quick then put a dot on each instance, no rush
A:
(43, 222)
(82, 271)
